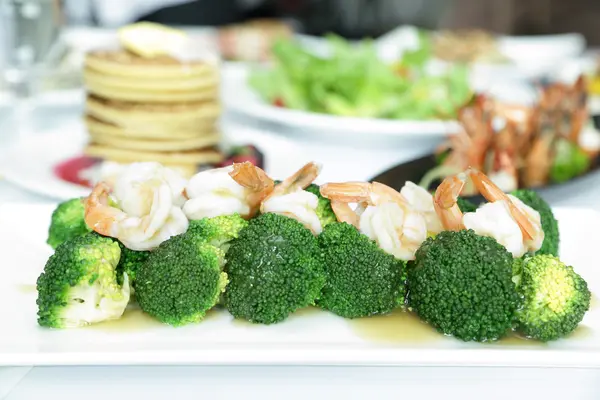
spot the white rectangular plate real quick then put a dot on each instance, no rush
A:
(308, 338)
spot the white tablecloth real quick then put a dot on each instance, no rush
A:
(283, 155)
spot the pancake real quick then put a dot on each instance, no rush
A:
(109, 91)
(154, 133)
(186, 83)
(152, 109)
(167, 145)
(153, 120)
(125, 64)
(196, 157)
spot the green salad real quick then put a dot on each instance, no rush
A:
(353, 82)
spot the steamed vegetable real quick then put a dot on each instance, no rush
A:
(324, 211)
(218, 231)
(67, 222)
(461, 284)
(79, 285)
(554, 298)
(549, 222)
(184, 278)
(274, 268)
(362, 279)
(569, 161)
(130, 262)
(181, 280)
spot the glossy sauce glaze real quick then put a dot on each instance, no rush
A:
(397, 327)
(27, 288)
(133, 320)
(404, 327)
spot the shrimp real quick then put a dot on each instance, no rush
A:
(562, 113)
(236, 189)
(576, 108)
(422, 201)
(522, 121)
(539, 161)
(469, 147)
(129, 176)
(289, 198)
(383, 215)
(503, 159)
(139, 225)
(508, 220)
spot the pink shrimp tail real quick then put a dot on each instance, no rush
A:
(98, 215)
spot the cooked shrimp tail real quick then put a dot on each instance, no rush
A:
(445, 202)
(382, 214)
(347, 192)
(290, 199)
(344, 213)
(299, 180)
(98, 214)
(251, 177)
(257, 183)
(492, 193)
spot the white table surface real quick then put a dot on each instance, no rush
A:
(284, 154)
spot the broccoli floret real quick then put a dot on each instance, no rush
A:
(461, 283)
(274, 269)
(549, 223)
(79, 284)
(466, 205)
(67, 222)
(517, 268)
(181, 280)
(324, 211)
(130, 262)
(554, 298)
(218, 231)
(184, 278)
(361, 278)
(570, 161)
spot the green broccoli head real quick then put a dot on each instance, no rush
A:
(517, 269)
(466, 205)
(181, 280)
(67, 222)
(324, 211)
(554, 298)
(218, 231)
(130, 262)
(274, 269)
(79, 284)
(461, 283)
(569, 161)
(362, 279)
(549, 222)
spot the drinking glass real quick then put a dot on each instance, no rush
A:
(28, 29)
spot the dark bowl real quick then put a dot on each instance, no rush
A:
(414, 171)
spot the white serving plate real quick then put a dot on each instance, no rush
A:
(239, 97)
(317, 338)
(43, 151)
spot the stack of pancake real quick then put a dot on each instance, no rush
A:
(152, 109)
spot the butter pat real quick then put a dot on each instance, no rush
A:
(148, 39)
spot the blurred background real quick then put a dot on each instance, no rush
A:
(371, 88)
(354, 18)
